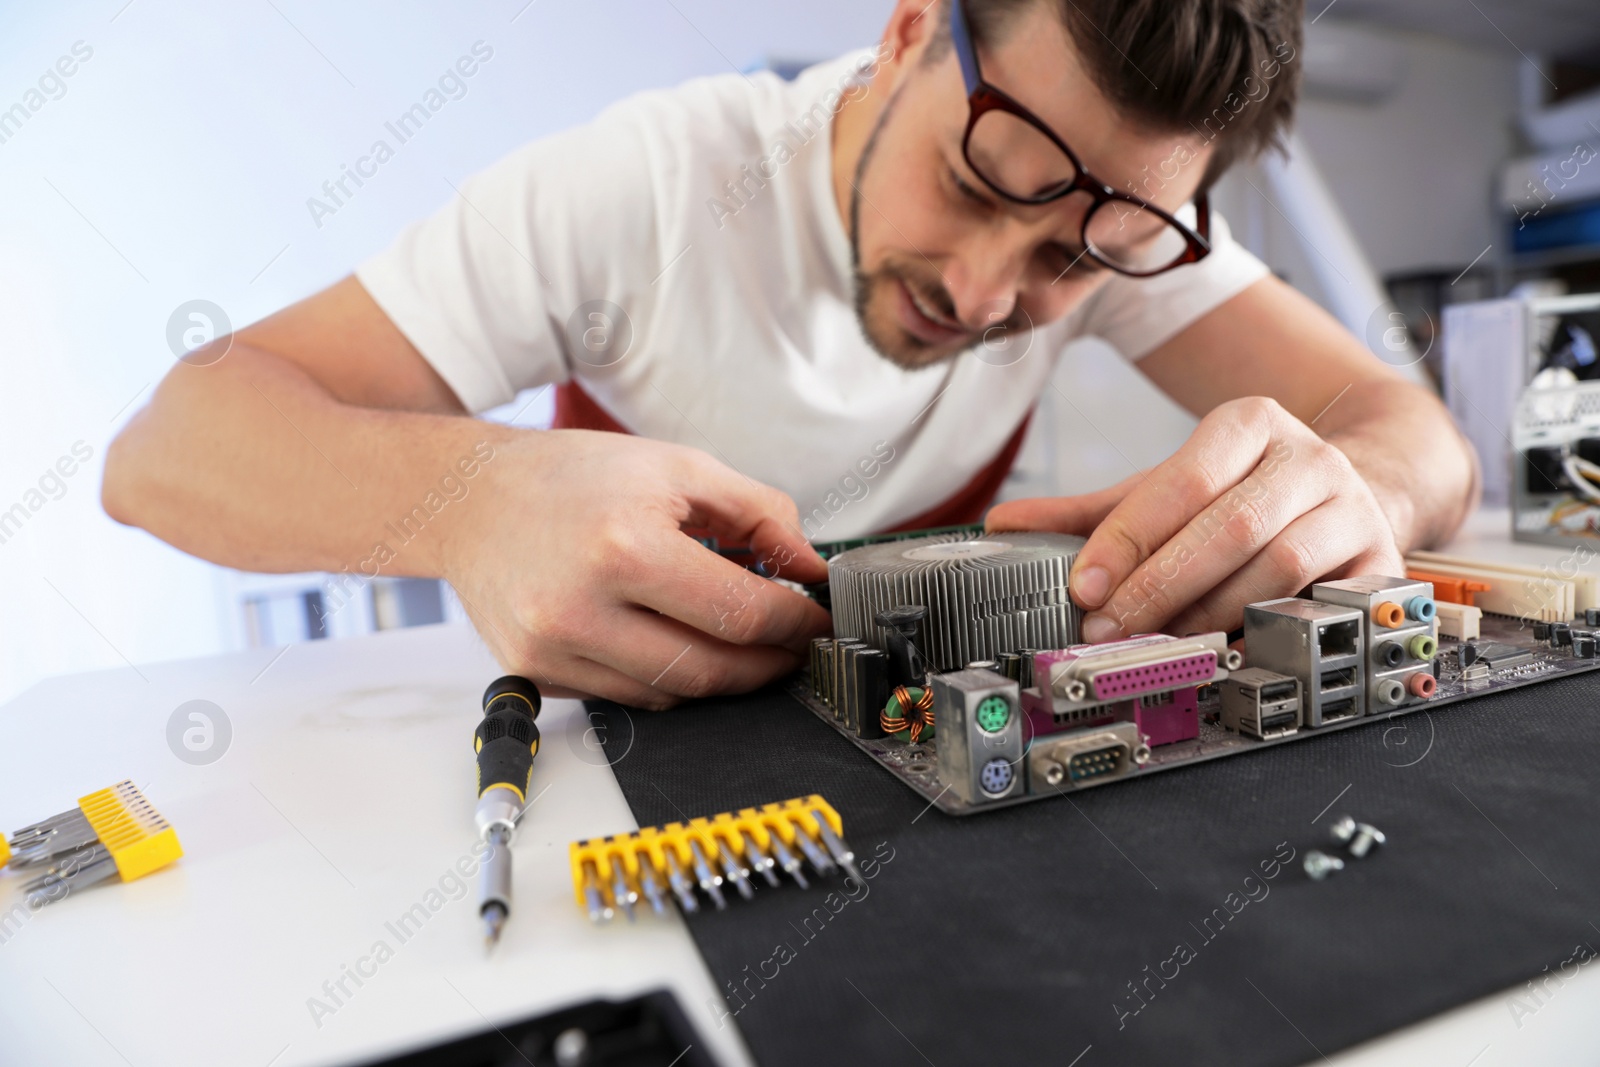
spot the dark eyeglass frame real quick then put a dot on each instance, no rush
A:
(983, 98)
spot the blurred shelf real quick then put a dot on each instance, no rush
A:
(1546, 258)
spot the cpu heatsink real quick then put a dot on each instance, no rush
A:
(985, 595)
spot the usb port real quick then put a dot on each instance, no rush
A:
(1338, 679)
(1334, 710)
(1284, 722)
(1276, 691)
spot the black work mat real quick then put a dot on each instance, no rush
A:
(1035, 933)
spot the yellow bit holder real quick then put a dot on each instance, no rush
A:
(653, 842)
(136, 835)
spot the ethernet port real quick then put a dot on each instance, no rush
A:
(1339, 679)
(1339, 638)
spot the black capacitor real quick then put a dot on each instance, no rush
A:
(844, 683)
(1469, 654)
(906, 663)
(872, 676)
(827, 654)
(819, 647)
(1583, 646)
(1025, 675)
(1011, 665)
(1541, 631)
(1591, 616)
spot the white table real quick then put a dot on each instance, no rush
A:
(344, 796)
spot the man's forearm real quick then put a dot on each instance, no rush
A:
(1405, 446)
(252, 464)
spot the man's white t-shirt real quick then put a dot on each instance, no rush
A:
(682, 259)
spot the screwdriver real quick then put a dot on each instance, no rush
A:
(506, 741)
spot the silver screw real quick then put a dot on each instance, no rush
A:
(571, 1048)
(1319, 865)
(1344, 829)
(1365, 837)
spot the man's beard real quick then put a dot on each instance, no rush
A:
(919, 276)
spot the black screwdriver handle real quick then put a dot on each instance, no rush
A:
(506, 739)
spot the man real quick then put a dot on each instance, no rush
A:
(852, 288)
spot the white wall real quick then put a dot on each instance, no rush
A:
(1415, 173)
(177, 165)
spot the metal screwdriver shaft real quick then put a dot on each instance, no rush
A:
(506, 741)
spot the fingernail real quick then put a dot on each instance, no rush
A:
(1091, 585)
(1099, 628)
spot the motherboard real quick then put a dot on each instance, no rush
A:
(956, 665)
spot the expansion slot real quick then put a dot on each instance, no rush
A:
(1447, 589)
(1585, 587)
(1520, 592)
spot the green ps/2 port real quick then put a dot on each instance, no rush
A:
(993, 714)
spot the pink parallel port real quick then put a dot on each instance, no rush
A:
(1042, 662)
(1047, 658)
(1037, 702)
(1151, 677)
(1044, 719)
(1176, 720)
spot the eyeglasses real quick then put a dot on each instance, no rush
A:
(1022, 160)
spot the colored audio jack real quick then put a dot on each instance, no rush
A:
(714, 854)
(115, 832)
(506, 741)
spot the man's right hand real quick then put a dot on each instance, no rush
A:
(577, 573)
(290, 450)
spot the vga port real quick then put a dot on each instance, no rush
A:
(1081, 757)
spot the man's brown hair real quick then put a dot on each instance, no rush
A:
(1228, 70)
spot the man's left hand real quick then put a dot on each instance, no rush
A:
(1254, 506)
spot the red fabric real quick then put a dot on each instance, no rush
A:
(576, 410)
(968, 505)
